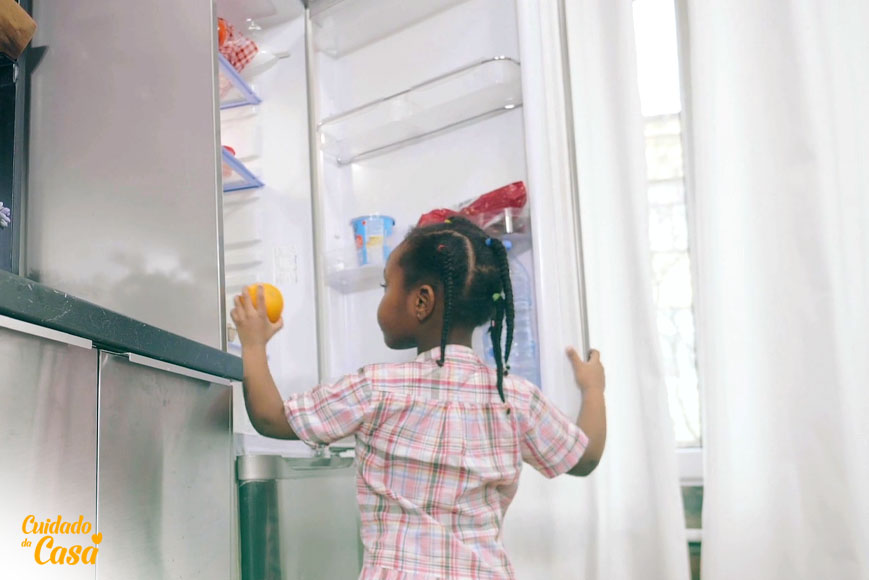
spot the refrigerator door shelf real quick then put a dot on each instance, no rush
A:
(236, 176)
(342, 26)
(234, 90)
(447, 102)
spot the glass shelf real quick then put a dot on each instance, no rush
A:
(348, 280)
(357, 279)
(259, 14)
(447, 102)
(342, 26)
(234, 90)
(236, 176)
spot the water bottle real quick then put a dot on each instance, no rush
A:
(524, 361)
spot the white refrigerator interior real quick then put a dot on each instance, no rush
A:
(425, 117)
(390, 108)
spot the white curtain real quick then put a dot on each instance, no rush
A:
(625, 522)
(780, 133)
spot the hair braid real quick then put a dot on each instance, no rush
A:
(504, 273)
(495, 333)
(448, 266)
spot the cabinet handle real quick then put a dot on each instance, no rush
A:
(175, 369)
(42, 332)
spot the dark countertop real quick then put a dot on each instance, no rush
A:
(29, 301)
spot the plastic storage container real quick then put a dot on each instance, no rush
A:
(524, 358)
(372, 234)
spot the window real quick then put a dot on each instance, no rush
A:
(658, 68)
(660, 96)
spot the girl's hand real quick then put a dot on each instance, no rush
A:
(254, 327)
(589, 375)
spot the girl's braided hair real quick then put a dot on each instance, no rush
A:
(471, 271)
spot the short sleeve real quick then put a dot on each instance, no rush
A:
(329, 412)
(551, 443)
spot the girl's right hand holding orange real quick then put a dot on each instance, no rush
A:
(254, 327)
(589, 375)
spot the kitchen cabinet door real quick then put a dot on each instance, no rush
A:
(48, 438)
(165, 474)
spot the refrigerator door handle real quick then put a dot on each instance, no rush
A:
(553, 181)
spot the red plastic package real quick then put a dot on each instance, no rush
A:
(489, 211)
(513, 195)
(435, 216)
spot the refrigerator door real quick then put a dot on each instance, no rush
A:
(123, 195)
(554, 197)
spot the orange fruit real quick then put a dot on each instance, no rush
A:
(222, 32)
(274, 300)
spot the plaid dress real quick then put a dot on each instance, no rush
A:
(438, 458)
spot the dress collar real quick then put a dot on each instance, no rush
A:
(453, 352)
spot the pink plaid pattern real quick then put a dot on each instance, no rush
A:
(238, 49)
(438, 458)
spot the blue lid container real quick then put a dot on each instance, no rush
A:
(371, 234)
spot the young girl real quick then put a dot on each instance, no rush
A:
(440, 441)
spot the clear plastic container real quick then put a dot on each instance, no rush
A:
(373, 235)
(524, 357)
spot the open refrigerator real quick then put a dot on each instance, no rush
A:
(391, 107)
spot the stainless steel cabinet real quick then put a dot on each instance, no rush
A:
(144, 454)
(48, 438)
(165, 474)
(299, 518)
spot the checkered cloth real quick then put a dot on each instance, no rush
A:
(438, 458)
(238, 49)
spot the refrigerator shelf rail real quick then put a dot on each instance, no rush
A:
(234, 90)
(343, 26)
(237, 177)
(466, 95)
